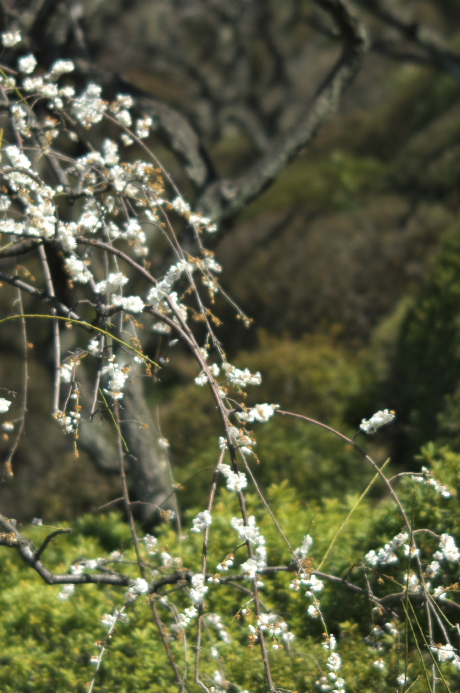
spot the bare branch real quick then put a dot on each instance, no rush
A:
(224, 199)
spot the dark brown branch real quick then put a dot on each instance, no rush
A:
(424, 37)
(42, 295)
(224, 199)
(21, 248)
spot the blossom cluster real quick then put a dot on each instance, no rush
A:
(427, 477)
(387, 555)
(236, 481)
(251, 533)
(377, 420)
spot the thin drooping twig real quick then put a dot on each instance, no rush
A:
(56, 332)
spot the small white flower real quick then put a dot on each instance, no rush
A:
(402, 680)
(4, 405)
(66, 592)
(27, 64)
(133, 304)
(10, 39)
(202, 521)
(379, 664)
(379, 419)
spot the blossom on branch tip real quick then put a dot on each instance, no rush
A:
(202, 521)
(4, 405)
(27, 63)
(134, 304)
(379, 419)
(261, 413)
(10, 39)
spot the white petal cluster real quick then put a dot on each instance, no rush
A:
(387, 555)
(447, 549)
(27, 64)
(427, 477)
(133, 304)
(241, 378)
(274, 625)
(78, 271)
(59, 68)
(113, 282)
(202, 379)
(447, 653)
(10, 39)
(235, 481)
(202, 521)
(199, 589)
(261, 413)
(251, 533)
(184, 619)
(140, 586)
(117, 377)
(303, 550)
(109, 620)
(249, 568)
(66, 592)
(143, 126)
(5, 404)
(215, 621)
(89, 108)
(379, 419)
(226, 563)
(151, 544)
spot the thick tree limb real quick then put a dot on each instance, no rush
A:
(439, 53)
(224, 199)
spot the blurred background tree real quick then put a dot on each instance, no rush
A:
(333, 261)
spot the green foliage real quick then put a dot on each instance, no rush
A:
(314, 376)
(35, 623)
(427, 364)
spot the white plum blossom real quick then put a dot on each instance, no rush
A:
(4, 405)
(261, 413)
(134, 304)
(110, 151)
(313, 584)
(143, 126)
(402, 680)
(226, 563)
(79, 272)
(216, 622)
(140, 586)
(59, 68)
(184, 619)
(89, 107)
(303, 550)
(387, 555)
(199, 589)
(249, 568)
(27, 63)
(180, 206)
(235, 481)
(377, 420)
(427, 477)
(202, 521)
(11, 38)
(448, 548)
(445, 653)
(117, 377)
(241, 378)
(151, 544)
(113, 282)
(202, 379)
(66, 592)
